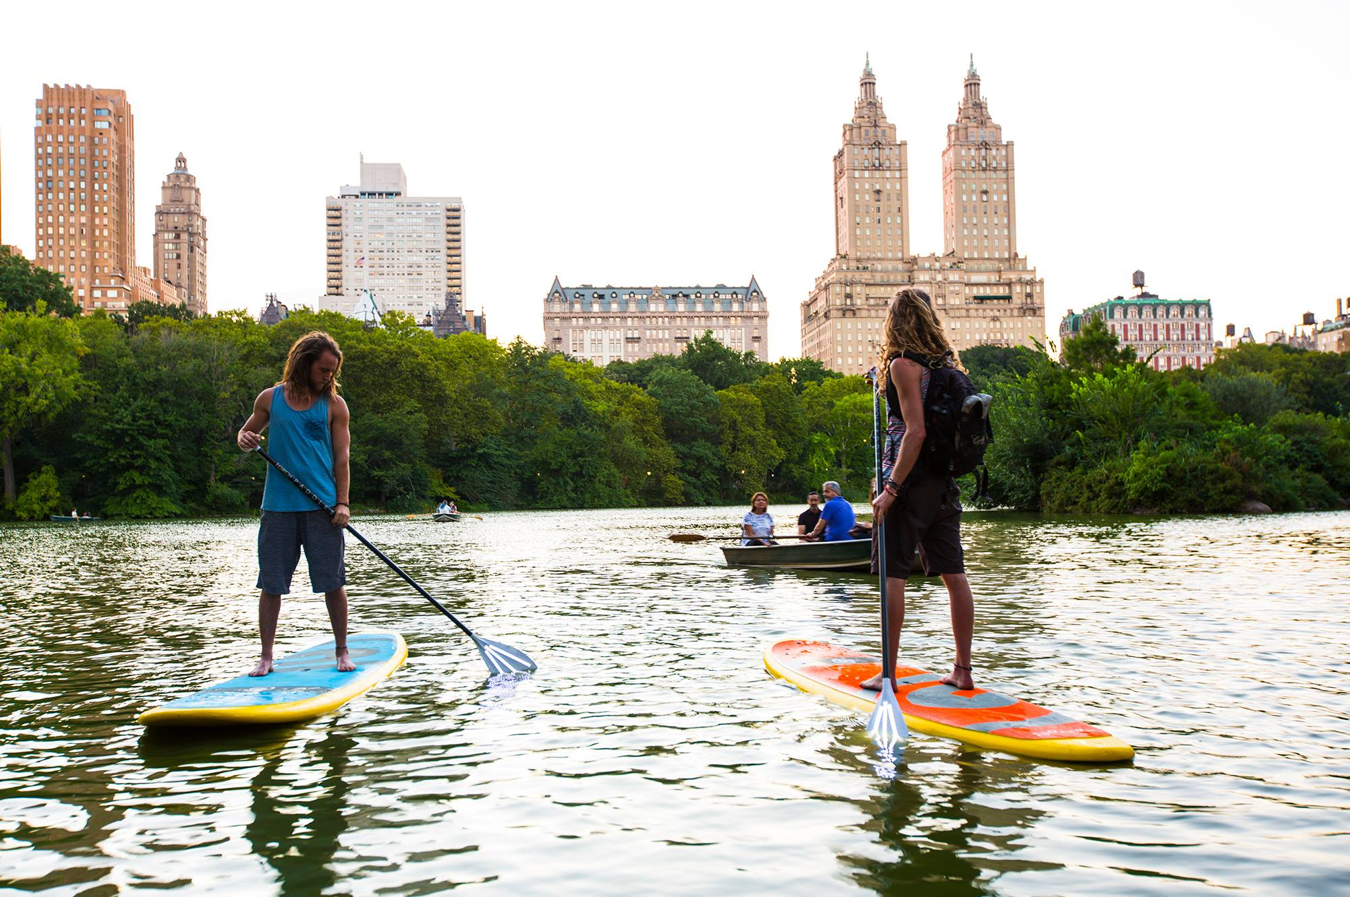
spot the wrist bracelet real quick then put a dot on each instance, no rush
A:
(343, 503)
(892, 487)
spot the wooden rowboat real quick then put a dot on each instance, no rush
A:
(851, 556)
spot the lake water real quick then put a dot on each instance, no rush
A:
(651, 753)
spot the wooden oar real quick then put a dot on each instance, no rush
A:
(695, 537)
(499, 657)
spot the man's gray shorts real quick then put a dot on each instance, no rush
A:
(280, 537)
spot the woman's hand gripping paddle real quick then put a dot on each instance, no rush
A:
(887, 724)
(499, 657)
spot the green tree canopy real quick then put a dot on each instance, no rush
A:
(24, 285)
(39, 376)
(749, 449)
(717, 365)
(141, 421)
(1096, 348)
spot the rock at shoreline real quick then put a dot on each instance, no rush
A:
(1252, 506)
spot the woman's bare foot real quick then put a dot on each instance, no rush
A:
(263, 668)
(874, 684)
(344, 661)
(959, 678)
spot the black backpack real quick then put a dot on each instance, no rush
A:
(956, 417)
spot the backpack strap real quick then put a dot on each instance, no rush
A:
(932, 362)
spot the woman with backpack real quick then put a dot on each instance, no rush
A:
(918, 499)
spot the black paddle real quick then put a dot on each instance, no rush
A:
(499, 657)
(887, 723)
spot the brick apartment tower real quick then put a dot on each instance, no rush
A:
(85, 192)
(978, 164)
(180, 236)
(871, 181)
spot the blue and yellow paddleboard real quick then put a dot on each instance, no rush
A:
(301, 686)
(978, 717)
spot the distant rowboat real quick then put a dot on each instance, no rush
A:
(66, 518)
(445, 518)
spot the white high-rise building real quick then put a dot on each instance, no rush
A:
(406, 252)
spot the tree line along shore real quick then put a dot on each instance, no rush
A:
(135, 415)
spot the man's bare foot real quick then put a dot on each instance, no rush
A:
(263, 668)
(344, 661)
(959, 678)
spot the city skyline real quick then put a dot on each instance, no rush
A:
(1139, 143)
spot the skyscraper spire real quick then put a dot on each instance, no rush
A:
(972, 84)
(867, 84)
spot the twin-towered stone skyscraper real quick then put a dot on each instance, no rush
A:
(983, 291)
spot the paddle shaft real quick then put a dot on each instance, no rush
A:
(364, 541)
(879, 526)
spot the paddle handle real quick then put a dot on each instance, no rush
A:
(364, 541)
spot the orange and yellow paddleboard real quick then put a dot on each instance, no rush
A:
(977, 717)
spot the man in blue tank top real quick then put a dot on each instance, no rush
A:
(310, 438)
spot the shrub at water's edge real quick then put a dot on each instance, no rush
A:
(1105, 433)
(135, 416)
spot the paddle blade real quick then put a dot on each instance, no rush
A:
(502, 658)
(687, 537)
(887, 725)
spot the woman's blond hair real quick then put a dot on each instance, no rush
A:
(758, 495)
(304, 352)
(911, 326)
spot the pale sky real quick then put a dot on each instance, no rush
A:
(638, 144)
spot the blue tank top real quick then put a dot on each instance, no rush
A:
(302, 442)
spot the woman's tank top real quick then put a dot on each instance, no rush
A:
(895, 423)
(302, 442)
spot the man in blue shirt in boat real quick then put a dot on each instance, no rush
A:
(836, 515)
(310, 437)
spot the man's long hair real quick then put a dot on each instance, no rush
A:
(304, 352)
(910, 326)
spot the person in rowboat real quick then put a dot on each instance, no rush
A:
(310, 437)
(836, 516)
(443, 507)
(807, 520)
(921, 509)
(757, 524)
